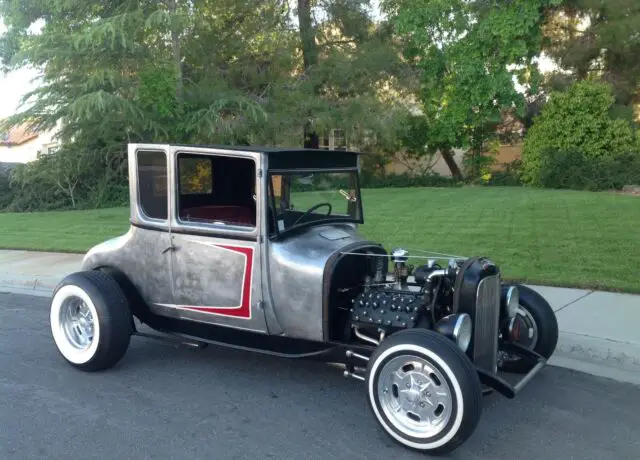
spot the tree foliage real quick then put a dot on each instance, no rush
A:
(598, 38)
(201, 71)
(470, 52)
(578, 120)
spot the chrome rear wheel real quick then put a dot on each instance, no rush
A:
(90, 319)
(76, 321)
(73, 325)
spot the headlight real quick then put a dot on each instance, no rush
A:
(512, 301)
(462, 331)
(457, 327)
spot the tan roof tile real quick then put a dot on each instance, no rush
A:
(17, 135)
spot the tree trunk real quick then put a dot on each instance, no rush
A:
(176, 48)
(307, 35)
(447, 155)
(309, 59)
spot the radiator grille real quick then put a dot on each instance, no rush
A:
(487, 320)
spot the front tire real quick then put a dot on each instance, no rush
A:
(538, 330)
(91, 322)
(424, 391)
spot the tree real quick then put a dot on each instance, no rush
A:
(112, 63)
(309, 59)
(206, 71)
(598, 38)
(346, 59)
(469, 53)
(112, 75)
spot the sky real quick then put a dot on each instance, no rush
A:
(14, 85)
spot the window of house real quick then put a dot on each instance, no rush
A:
(339, 139)
(152, 184)
(216, 190)
(325, 141)
(333, 139)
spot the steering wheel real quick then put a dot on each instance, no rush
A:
(313, 208)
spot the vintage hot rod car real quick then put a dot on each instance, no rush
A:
(258, 249)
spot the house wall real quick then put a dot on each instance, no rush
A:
(28, 151)
(440, 167)
(506, 154)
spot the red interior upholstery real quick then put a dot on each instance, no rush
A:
(231, 214)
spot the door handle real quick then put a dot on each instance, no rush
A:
(170, 248)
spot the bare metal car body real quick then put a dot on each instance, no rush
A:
(216, 252)
(230, 275)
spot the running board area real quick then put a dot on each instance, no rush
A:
(173, 339)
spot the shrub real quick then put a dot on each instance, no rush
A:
(576, 170)
(578, 120)
(67, 179)
(406, 180)
(510, 175)
(6, 194)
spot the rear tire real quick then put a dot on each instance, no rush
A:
(424, 391)
(91, 322)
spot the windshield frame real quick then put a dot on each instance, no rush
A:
(277, 233)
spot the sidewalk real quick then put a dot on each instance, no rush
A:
(599, 331)
(35, 273)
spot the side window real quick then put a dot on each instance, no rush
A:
(152, 184)
(216, 190)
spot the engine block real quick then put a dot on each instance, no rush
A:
(387, 308)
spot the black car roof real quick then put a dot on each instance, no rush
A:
(266, 149)
(284, 158)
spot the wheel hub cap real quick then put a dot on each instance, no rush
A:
(77, 323)
(415, 396)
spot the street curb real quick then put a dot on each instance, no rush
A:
(41, 287)
(592, 355)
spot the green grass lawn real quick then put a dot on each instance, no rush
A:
(563, 238)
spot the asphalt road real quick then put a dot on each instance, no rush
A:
(168, 402)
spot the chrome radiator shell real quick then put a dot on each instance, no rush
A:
(486, 324)
(477, 292)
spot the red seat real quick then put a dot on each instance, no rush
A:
(230, 214)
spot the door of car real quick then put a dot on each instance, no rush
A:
(216, 256)
(147, 263)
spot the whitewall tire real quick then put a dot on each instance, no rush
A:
(90, 319)
(424, 391)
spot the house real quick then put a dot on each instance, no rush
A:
(22, 145)
(510, 136)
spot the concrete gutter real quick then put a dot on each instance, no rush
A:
(599, 331)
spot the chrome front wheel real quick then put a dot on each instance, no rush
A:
(424, 391)
(537, 328)
(415, 396)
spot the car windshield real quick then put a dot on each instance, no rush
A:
(307, 198)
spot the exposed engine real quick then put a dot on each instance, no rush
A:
(387, 304)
